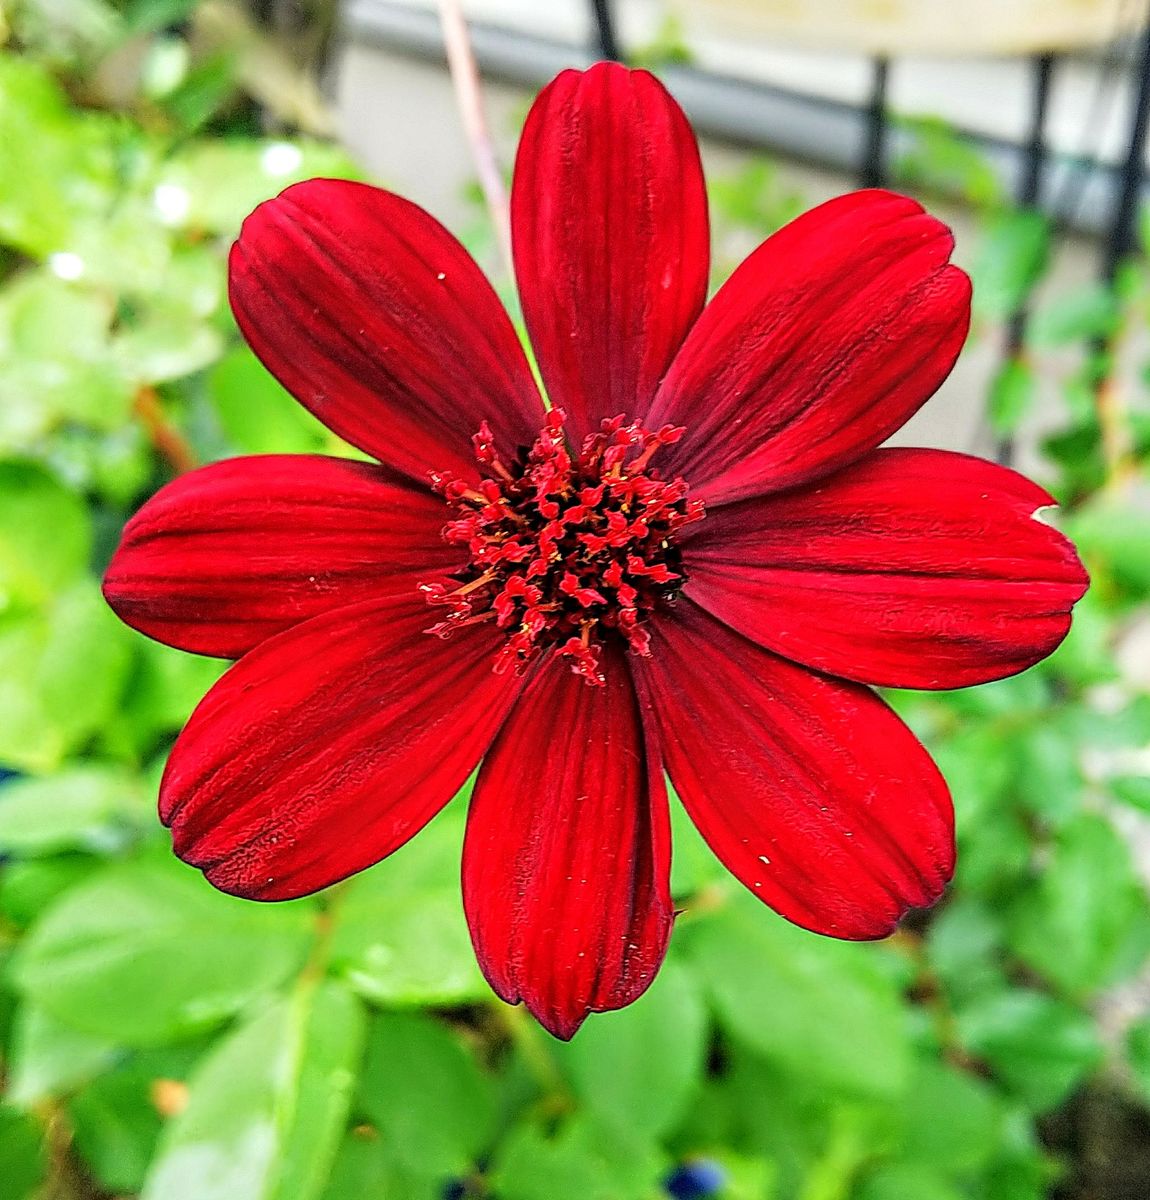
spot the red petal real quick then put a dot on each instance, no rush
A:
(327, 747)
(817, 348)
(376, 319)
(226, 556)
(913, 568)
(609, 217)
(810, 790)
(566, 864)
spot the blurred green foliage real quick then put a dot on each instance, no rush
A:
(163, 1040)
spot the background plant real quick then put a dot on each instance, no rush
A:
(163, 1040)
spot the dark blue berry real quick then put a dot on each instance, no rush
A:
(695, 1180)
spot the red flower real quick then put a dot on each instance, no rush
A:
(705, 583)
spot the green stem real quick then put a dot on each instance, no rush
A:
(317, 960)
(528, 1039)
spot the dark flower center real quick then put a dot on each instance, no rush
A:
(566, 549)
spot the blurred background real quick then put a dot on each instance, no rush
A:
(164, 1041)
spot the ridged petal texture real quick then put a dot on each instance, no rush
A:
(822, 562)
(566, 863)
(809, 789)
(819, 346)
(913, 568)
(609, 220)
(226, 556)
(328, 746)
(377, 320)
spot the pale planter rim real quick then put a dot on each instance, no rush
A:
(929, 27)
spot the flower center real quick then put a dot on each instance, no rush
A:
(566, 549)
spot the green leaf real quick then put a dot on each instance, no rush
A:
(1012, 395)
(116, 1127)
(116, 466)
(996, 853)
(426, 1095)
(906, 1182)
(56, 361)
(582, 1161)
(224, 179)
(1049, 779)
(800, 1000)
(965, 947)
(1133, 790)
(267, 1107)
(165, 688)
(848, 1142)
(117, 1118)
(972, 1130)
(1085, 656)
(400, 936)
(1087, 312)
(754, 198)
(1020, 1170)
(145, 16)
(365, 1169)
(23, 1162)
(693, 865)
(66, 176)
(750, 1104)
(1011, 260)
(942, 159)
(1073, 924)
(747, 1178)
(92, 807)
(257, 415)
(127, 249)
(1115, 536)
(976, 765)
(636, 1068)
(62, 671)
(33, 567)
(58, 168)
(206, 88)
(1039, 1047)
(166, 345)
(146, 952)
(49, 1058)
(27, 889)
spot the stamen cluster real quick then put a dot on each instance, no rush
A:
(566, 549)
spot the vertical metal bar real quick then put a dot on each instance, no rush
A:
(872, 172)
(1109, 404)
(1121, 238)
(606, 42)
(1029, 193)
(1030, 185)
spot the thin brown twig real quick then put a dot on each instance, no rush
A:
(929, 993)
(469, 94)
(166, 438)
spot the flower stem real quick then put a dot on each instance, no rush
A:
(317, 961)
(529, 1041)
(469, 94)
(165, 437)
